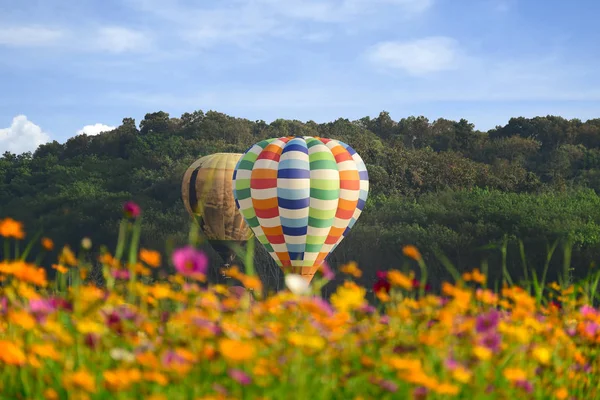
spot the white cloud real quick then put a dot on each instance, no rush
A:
(22, 136)
(417, 57)
(119, 40)
(29, 36)
(244, 22)
(95, 129)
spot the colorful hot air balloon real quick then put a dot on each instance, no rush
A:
(207, 192)
(300, 196)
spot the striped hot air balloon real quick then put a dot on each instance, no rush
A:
(207, 193)
(301, 196)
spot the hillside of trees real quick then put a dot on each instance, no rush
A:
(441, 185)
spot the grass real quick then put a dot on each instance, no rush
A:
(135, 337)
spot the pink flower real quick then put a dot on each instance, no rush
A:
(240, 376)
(190, 262)
(326, 270)
(131, 210)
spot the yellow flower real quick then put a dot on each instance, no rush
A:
(150, 257)
(22, 318)
(81, 380)
(50, 394)
(251, 282)
(160, 290)
(411, 251)
(406, 364)
(47, 243)
(11, 228)
(462, 375)
(121, 379)
(349, 296)
(11, 353)
(542, 355)
(45, 351)
(561, 393)
(483, 353)
(68, 257)
(156, 377)
(351, 269)
(89, 326)
(24, 272)
(60, 268)
(397, 278)
(446, 388)
(515, 374)
(236, 350)
(309, 341)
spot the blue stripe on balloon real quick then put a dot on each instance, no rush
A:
(293, 194)
(296, 248)
(293, 163)
(293, 204)
(363, 175)
(361, 204)
(290, 231)
(296, 256)
(293, 173)
(294, 222)
(294, 145)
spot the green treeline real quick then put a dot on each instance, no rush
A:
(440, 185)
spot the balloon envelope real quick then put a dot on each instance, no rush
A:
(301, 196)
(207, 192)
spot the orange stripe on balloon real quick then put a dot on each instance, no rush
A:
(284, 257)
(264, 173)
(272, 230)
(347, 205)
(265, 204)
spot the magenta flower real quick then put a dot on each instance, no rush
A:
(92, 340)
(491, 340)
(131, 210)
(592, 328)
(487, 322)
(525, 385)
(171, 358)
(120, 274)
(240, 376)
(382, 282)
(190, 262)
(327, 271)
(588, 311)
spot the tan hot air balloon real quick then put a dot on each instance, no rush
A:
(207, 192)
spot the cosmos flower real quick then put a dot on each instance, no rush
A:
(190, 262)
(131, 210)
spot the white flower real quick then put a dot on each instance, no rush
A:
(122, 354)
(297, 284)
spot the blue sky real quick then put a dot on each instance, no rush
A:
(71, 66)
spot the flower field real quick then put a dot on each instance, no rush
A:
(137, 337)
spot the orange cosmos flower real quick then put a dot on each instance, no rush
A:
(11, 228)
(150, 257)
(411, 251)
(47, 243)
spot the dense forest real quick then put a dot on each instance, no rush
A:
(441, 185)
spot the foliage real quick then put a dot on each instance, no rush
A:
(440, 184)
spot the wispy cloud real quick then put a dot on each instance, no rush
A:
(244, 22)
(417, 57)
(30, 36)
(116, 39)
